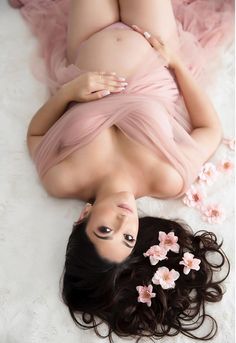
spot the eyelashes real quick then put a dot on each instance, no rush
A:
(106, 230)
(129, 238)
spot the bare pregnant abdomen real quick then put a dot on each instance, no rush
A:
(115, 50)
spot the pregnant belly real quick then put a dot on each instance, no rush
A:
(113, 50)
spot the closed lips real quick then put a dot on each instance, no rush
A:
(126, 207)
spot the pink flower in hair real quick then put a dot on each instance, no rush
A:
(190, 262)
(213, 214)
(226, 166)
(156, 254)
(165, 277)
(168, 241)
(208, 174)
(230, 143)
(145, 294)
(194, 197)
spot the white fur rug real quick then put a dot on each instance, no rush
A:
(34, 227)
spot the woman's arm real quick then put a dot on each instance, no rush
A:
(86, 87)
(198, 104)
(49, 113)
(207, 130)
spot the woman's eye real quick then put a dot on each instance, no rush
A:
(104, 229)
(129, 238)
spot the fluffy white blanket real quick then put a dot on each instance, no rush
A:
(34, 227)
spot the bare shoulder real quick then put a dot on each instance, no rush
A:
(59, 181)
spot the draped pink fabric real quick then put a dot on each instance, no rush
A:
(150, 110)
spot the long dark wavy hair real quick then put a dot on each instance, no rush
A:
(103, 291)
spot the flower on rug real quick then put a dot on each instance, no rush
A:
(190, 262)
(194, 197)
(230, 142)
(208, 174)
(156, 253)
(165, 277)
(168, 241)
(213, 213)
(226, 166)
(145, 294)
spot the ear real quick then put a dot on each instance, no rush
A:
(86, 210)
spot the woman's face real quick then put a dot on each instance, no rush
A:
(113, 225)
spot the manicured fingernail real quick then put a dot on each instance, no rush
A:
(146, 34)
(106, 92)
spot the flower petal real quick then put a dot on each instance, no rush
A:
(162, 236)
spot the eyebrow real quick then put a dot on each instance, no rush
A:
(101, 237)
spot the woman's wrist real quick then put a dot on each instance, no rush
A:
(176, 64)
(65, 92)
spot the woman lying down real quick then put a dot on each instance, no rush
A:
(128, 117)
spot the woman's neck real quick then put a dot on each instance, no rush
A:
(118, 181)
(114, 183)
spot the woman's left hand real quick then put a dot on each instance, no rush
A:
(169, 55)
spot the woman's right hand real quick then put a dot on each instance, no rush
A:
(170, 56)
(93, 85)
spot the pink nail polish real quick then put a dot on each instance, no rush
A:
(105, 92)
(146, 34)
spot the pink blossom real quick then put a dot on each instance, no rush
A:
(213, 214)
(168, 241)
(230, 142)
(208, 174)
(190, 262)
(145, 294)
(194, 197)
(165, 277)
(156, 253)
(226, 166)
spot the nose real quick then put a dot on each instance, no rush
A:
(122, 217)
(121, 220)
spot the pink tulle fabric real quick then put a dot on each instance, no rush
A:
(150, 110)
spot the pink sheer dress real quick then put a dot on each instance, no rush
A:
(150, 110)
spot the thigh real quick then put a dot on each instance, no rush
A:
(155, 16)
(87, 17)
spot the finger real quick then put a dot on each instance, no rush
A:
(112, 89)
(117, 90)
(106, 76)
(98, 95)
(141, 30)
(112, 84)
(105, 73)
(148, 35)
(136, 28)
